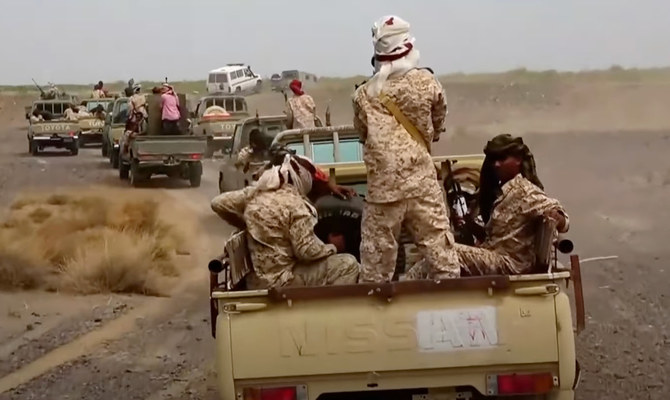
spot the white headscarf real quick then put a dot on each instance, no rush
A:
(391, 37)
(301, 178)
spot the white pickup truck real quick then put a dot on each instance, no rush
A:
(492, 337)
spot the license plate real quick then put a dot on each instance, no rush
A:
(451, 395)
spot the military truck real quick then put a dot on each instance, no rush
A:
(280, 82)
(92, 127)
(232, 178)
(153, 152)
(217, 128)
(115, 122)
(54, 131)
(464, 338)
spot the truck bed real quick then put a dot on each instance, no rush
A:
(165, 145)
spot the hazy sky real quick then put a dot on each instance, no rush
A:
(79, 41)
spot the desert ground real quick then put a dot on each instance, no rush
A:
(132, 321)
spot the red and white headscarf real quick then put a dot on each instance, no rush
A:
(394, 51)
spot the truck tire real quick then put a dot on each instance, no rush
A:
(195, 174)
(114, 159)
(103, 148)
(259, 87)
(124, 171)
(74, 149)
(134, 174)
(34, 149)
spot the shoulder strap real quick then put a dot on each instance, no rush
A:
(404, 121)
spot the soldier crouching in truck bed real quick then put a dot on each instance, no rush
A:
(511, 201)
(280, 221)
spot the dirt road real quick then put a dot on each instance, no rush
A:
(615, 187)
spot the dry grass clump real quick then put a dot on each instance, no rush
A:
(93, 241)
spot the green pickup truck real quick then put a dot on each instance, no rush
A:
(154, 153)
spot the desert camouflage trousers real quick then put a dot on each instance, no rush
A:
(338, 269)
(473, 261)
(426, 220)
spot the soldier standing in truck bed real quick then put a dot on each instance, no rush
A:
(300, 108)
(400, 111)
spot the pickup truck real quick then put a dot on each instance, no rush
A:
(92, 127)
(491, 337)
(54, 131)
(154, 153)
(218, 129)
(115, 123)
(231, 177)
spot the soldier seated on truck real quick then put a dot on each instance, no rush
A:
(36, 116)
(70, 113)
(279, 221)
(257, 152)
(512, 199)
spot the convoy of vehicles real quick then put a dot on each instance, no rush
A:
(218, 129)
(54, 131)
(234, 79)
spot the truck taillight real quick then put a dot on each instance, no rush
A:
(520, 384)
(195, 156)
(72, 133)
(276, 393)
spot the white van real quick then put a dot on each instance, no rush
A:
(233, 78)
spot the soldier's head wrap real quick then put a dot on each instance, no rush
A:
(489, 185)
(137, 87)
(294, 170)
(394, 51)
(296, 87)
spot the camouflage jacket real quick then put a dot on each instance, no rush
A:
(398, 166)
(280, 228)
(511, 231)
(301, 111)
(137, 102)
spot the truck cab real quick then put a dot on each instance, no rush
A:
(218, 128)
(115, 122)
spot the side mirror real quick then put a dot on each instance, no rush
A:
(27, 116)
(191, 114)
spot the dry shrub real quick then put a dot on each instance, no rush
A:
(93, 241)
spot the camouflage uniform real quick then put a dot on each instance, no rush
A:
(137, 103)
(301, 111)
(509, 247)
(402, 183)
(246, 157)
(284, 249)
(70, 115)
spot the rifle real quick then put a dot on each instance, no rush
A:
(461, 219)
(42, 93)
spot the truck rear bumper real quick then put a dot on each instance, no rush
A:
(55, 141)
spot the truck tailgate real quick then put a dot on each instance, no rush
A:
(412, 331)
(91, 123)
(169, 144)
(51, 127)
